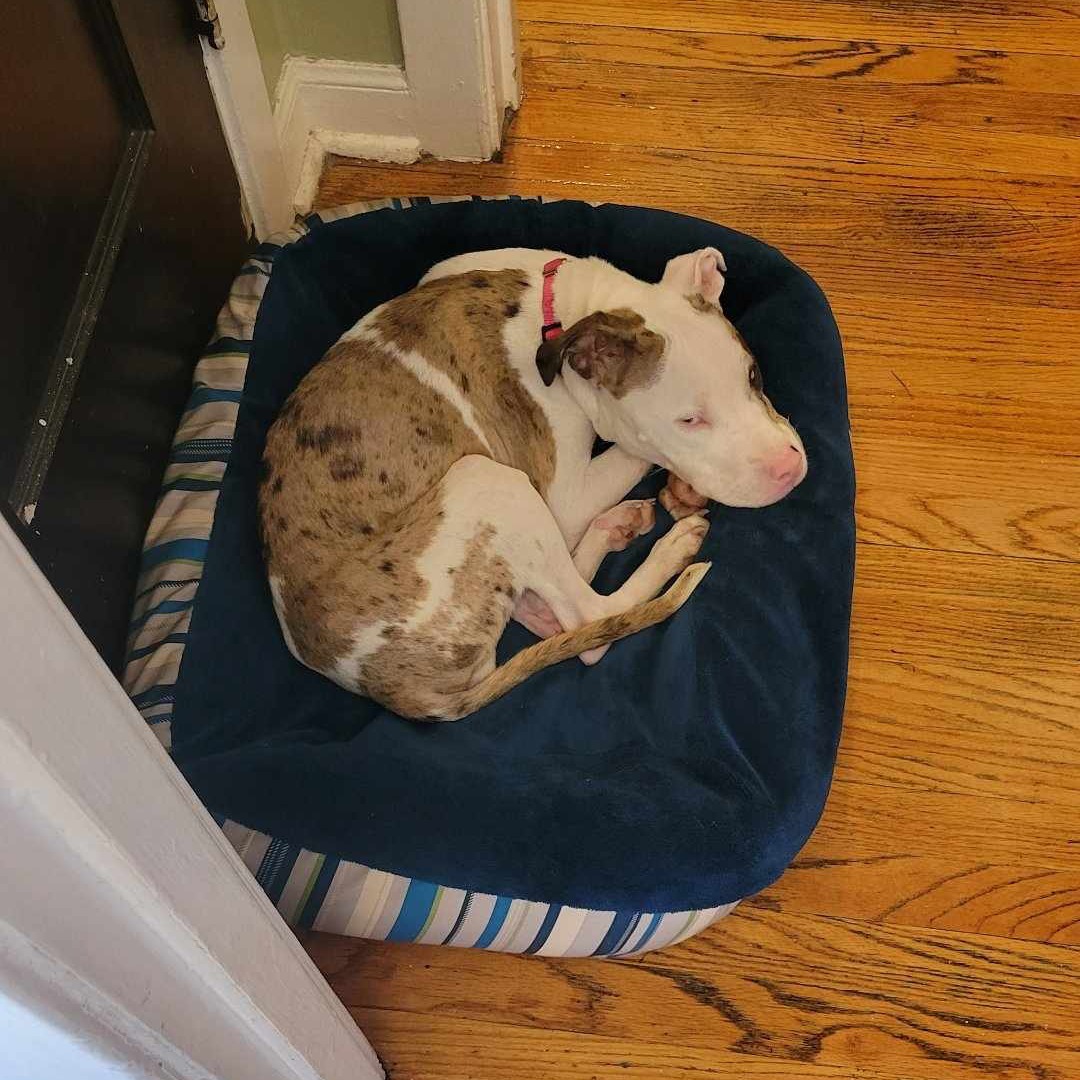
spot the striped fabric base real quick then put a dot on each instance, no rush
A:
(325, 893)
(312, 889)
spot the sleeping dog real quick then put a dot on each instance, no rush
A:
(432, 476)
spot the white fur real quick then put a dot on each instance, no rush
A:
(279, 608)
(429, 375)
(365, 642)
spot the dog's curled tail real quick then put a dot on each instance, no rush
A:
(571, 643)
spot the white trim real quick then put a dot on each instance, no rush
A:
(450, 100)
(399, 150)
(128, 925)
(503, 28)
(243, 105)
(452, 75)
(336, 106)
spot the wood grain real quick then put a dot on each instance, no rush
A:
(933, 891)
(738, 185)
(929, 726)
(432, 1046)
(898, 1002)
(864, 820)
(801, 57)
(1009, 616)
(922, 161)
(986, 128)
(1034, 26)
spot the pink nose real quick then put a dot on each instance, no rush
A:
(785, 466)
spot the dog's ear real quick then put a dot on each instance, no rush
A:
(699, 272)
(549, 358)
(613, 349)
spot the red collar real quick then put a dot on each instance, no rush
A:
(552, 328)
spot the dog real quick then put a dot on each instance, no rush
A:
(433, 475)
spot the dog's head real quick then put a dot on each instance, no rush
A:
(671, 381)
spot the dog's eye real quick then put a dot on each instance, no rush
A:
(696, 420)
(755, 376)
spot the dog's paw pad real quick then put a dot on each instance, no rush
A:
(680, 500)
(629, 519)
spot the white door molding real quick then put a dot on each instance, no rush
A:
(458, 57)
(450, 99)
(341, 107)
(247, 120)
(133, 942)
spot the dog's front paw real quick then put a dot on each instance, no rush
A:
(622, 523)
(680, 500)
(682, 542)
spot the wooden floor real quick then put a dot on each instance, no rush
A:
(921, 158)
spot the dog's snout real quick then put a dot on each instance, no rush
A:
(785, 467)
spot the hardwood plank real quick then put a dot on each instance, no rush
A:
(801, 57)
(1009, 616)
(980, 351)
(782, 987)
(864, 820)
(959, 490)
(983, 127)
(1036, 26)
(732, 187)
(418, 1046)
(931, 891)
(939, 728)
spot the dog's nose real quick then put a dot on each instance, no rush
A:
(785, 466)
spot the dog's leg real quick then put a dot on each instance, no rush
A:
(564, 600)
(673, 552)
(481, 494)
(676, 548)
(612, 531)
(604, 482)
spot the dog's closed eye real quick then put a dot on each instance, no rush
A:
(694, 420)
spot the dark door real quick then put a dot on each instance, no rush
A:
(123, 229)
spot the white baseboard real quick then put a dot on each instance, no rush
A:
(396, 149)
(336, 106)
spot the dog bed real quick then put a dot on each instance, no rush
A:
(591, 811)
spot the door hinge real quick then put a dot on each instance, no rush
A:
(209, 23)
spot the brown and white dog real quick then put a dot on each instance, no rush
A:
(433, 476)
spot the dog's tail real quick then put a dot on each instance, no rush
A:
(570, 643)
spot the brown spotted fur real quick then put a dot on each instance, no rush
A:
(455, 646)
(456, 324)
(341, 506)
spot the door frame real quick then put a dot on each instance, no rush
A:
(133, 941)
(450, 98)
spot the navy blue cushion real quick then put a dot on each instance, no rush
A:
(683, 771)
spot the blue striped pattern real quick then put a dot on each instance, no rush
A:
(313, 889)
